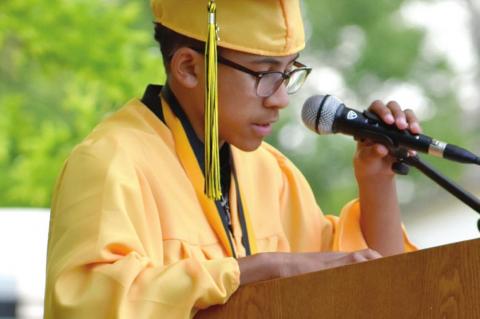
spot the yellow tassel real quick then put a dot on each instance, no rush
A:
(212, 157)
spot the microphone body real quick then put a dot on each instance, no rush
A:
(326, 115)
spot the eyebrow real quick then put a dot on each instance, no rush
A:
(273, 61)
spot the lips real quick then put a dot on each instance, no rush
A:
(263, 128)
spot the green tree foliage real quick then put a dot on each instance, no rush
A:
(63, 66)
(66, 64)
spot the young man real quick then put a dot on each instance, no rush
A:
(133, 235)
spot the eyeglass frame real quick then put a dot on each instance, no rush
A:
(260, 74)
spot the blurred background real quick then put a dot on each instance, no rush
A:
(65, 65)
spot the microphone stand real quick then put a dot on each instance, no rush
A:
(402, 167)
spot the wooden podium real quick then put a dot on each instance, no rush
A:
(441, 282)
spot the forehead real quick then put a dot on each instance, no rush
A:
(258, 59)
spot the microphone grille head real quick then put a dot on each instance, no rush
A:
(318, 113)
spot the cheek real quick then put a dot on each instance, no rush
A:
(236, 102)
(239, 89)
(236, 85)
(236, 111)
(231, 116)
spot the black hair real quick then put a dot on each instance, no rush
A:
(170, 41)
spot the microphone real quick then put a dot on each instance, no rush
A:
(325, 114)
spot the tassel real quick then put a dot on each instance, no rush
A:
(212, 156)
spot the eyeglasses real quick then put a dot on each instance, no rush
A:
(268, 82)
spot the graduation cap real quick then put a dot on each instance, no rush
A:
(261, 27)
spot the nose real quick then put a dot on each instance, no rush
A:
(279, 99)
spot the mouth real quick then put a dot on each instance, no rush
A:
(263, 128)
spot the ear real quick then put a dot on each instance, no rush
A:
(186, 67)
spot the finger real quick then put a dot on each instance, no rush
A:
(367, 153)
(366, 254)
(380, 150)
(372, 254)
(325, 255)
(358, 257)
(381, 110)
(413, 123)
(326, 260)
(400, 118)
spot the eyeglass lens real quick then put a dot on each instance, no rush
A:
(296, 80)
(270, 82)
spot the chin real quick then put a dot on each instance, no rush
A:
(248, 146)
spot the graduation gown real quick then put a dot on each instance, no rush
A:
(133, 236)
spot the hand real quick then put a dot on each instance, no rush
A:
(266, 266)
(373, 159)
(380, 213)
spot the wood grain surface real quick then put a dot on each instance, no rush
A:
(440, 282)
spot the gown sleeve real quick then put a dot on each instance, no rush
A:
(307, 228)
(106, 251)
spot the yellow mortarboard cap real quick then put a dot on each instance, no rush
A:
(265, 27)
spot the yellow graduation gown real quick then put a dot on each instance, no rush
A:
(131, 236)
